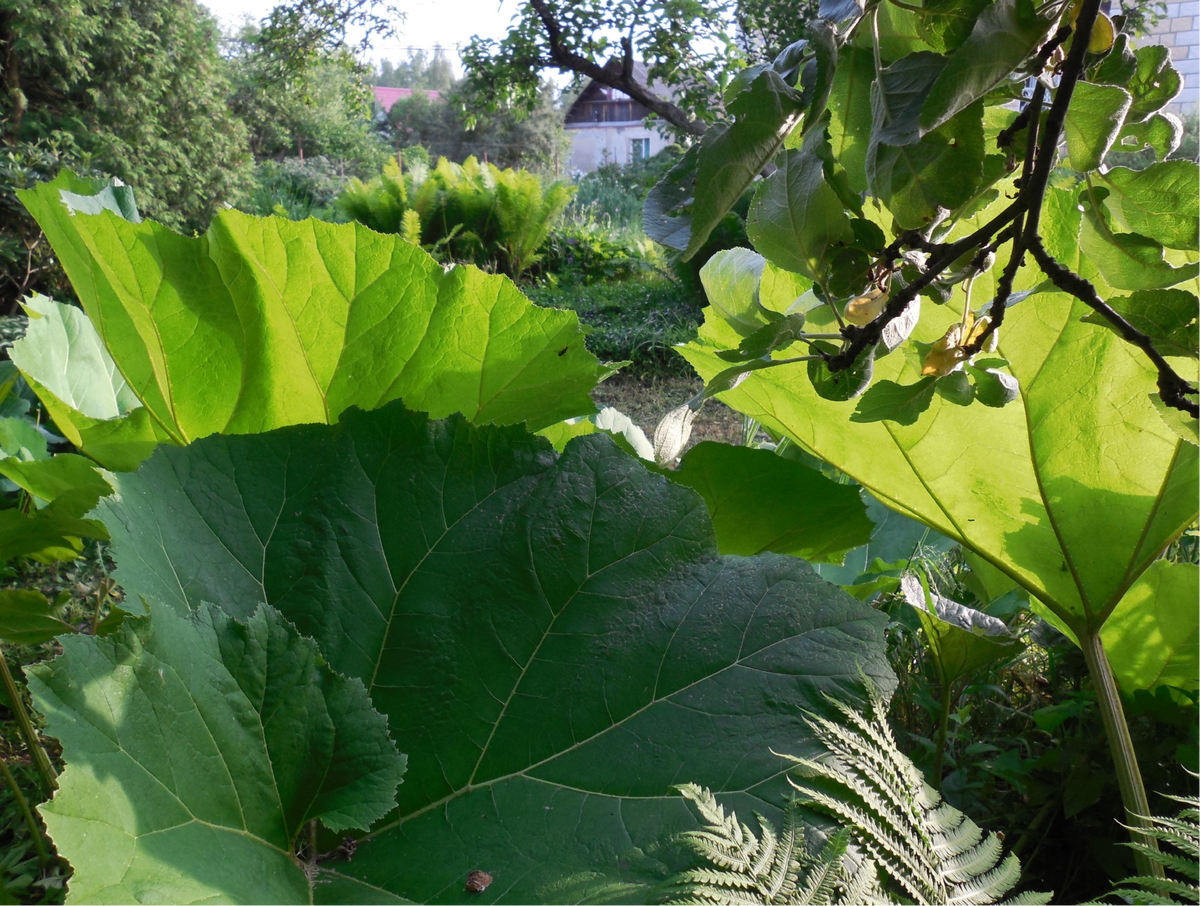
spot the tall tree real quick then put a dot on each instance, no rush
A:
(682, 42)
(132, 88)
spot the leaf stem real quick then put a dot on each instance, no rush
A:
(40, 759)
(1129, 777)
(939, 757)
(23, 804)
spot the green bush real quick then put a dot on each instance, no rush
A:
(474, 213)
(295, 189)
(586, 250)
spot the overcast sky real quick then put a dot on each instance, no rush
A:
(450, 23)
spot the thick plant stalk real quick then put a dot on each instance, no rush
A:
(1129, 777)
(40, 759)
(939, 759)
(23, 804)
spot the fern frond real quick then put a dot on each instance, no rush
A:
(928, 848)
(1181, 834)
(768, 867)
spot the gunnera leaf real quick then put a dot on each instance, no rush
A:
(554, 639)
(197, 747)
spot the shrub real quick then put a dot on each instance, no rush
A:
(586, 249)
(474, 213)
(295, 189)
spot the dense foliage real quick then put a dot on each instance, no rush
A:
(474, 212)
(395, 613)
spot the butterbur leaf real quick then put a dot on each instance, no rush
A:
(762, 502)
(1036, 485)
(1005, 33)
(1093, 122)
(729, 157)
(83, 195)
(889, 401)
(196, 749)
(796, 219)
(68, 488)
(26, 618)
(1167, 316)
(1155, 83)
(529, 624)
(21, 440)
(1153, 635)
(628, 436)
(264, 322)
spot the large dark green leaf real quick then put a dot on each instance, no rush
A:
(263, 322)
(796, 219)
(1005, 33)
(762, 502)
(1094, 120)
(729, 157)
(197, 748)
(554, 640)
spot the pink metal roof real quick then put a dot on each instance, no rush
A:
(389, 96)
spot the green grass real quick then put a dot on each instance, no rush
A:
(635, 321)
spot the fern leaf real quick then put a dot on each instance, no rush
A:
(925, 846)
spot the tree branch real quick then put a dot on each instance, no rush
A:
(621, 79)
(1173, 389)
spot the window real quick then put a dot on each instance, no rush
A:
(639, 149)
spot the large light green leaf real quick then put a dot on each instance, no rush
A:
(197, 748)
(66, 364)
(1005, 33)
(1153, 637)
(263, 322)
(762, 502)
(554, 640)
(727, 160)
(1072, 490)
(1167, 316)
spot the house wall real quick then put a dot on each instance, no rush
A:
(1180, 31)
(595, 144)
